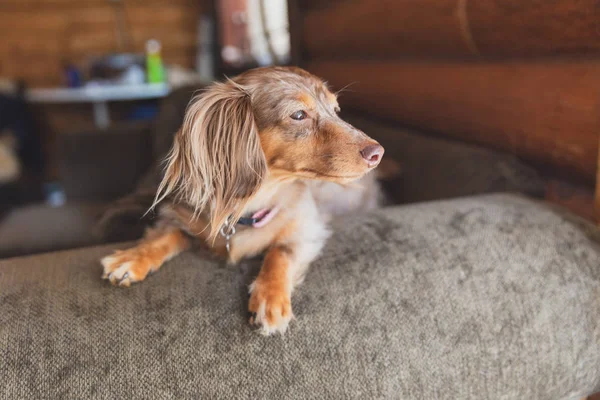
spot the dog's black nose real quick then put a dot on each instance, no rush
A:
(372, 154)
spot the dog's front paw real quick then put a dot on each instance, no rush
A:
(270, 306)
(126, 267)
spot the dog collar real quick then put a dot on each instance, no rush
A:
(260, 218)
(257, 220)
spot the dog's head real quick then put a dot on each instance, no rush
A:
(278, 122)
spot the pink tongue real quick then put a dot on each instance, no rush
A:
(264, 216)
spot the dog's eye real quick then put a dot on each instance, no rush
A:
(298, 115)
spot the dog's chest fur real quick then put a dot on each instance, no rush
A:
(334, 200)
(330, 199)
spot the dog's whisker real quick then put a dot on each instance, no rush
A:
(345, 88)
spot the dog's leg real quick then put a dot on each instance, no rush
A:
(270, 294)
(133, 265)
(284, 267)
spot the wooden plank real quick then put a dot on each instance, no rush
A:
(28, 68)
(30, 45)
(545, 112)
(204, 4)
(66, 4)
(154, 14)
(457, 28)
(383, 28)
(535, 27)
(92, 43)
(317, 4)
(12, 23)
(91, 18)
(170, 39)
(597, 199)
(45, 5)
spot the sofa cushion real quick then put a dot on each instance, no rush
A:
(435, 168)
(37, 228)
(475, 298)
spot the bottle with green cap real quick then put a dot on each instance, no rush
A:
(154, 66)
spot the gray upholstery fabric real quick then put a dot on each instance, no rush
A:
(493, 297)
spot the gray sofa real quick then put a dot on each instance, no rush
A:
(483, 297)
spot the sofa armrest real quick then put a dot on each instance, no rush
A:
(488, 297)
(104, 164)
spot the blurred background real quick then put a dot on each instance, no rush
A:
(69, 66)
(468, 96)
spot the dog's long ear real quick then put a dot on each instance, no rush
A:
(216, 163)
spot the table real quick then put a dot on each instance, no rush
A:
(99, 96)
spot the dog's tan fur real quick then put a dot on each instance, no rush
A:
(134, 265)
(238, 151)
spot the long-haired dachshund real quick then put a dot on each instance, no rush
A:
(261, 162)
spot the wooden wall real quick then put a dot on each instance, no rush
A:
(450, 28)
(517, 75)
(39, 35)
